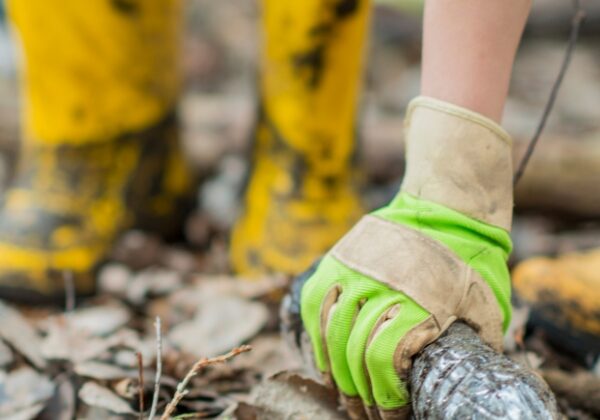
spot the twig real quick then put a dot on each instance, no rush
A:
(69, 291)
(520, 343)
(158, 368)
(181, 390)
(140, 361)
(198, 415)
(578, 18)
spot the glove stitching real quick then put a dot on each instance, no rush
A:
(466, 273)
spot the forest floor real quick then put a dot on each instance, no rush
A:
(94, 358)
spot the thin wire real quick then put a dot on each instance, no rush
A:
(578, 18)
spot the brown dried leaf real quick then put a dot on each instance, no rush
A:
(269, 355)
(152, 281)
(98, 396)
(220, 323)
(6, 355)
(114, 278)
(126, 388)
(103, 371)
(16, 331)
(27, 413)
(289, 395)
(137, 249)
(99, 320)
(180, 260)
(239, 286)
(188, 298)
(62, 405)
(63, 343)
(22, 389)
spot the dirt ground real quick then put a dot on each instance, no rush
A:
(93, 359)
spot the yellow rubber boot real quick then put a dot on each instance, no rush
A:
(301, 195)
(100, 146)
(565, 297)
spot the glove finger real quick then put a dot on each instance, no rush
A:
(354, 407)
(339, 326)
(371, 313)
(318, 289)
(389, 390)
(356, 288)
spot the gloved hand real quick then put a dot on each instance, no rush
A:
(403, 274)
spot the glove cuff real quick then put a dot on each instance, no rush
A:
(460, 159)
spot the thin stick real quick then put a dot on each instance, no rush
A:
(578, 18)
(140, 362)
(69, 291)
(158, 368)
(181, 390)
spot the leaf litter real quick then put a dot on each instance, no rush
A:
(83, 362)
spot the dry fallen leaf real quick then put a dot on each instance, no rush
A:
(126, 388)
(114, 278)
(99, 320)
(152, 281)
(27, 413)
(180, 260)
(16, 331)
(102, 371)
(219, 325)
(21, 390)
(289, 395)
(98, 396)
(6, 355)
(239, 286)
(138, 249)
(63, 343)
(62, 405)
(269, 356)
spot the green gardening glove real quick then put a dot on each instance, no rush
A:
(437, 253)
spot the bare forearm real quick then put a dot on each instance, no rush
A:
(468, 51)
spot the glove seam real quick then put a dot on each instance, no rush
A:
(467, 273)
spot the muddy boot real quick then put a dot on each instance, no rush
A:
(302, 191)
(565, 297)
(100, 151)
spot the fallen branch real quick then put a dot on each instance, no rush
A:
(158, 368)
(182, 391)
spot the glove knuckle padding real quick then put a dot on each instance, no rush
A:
(425, 271)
